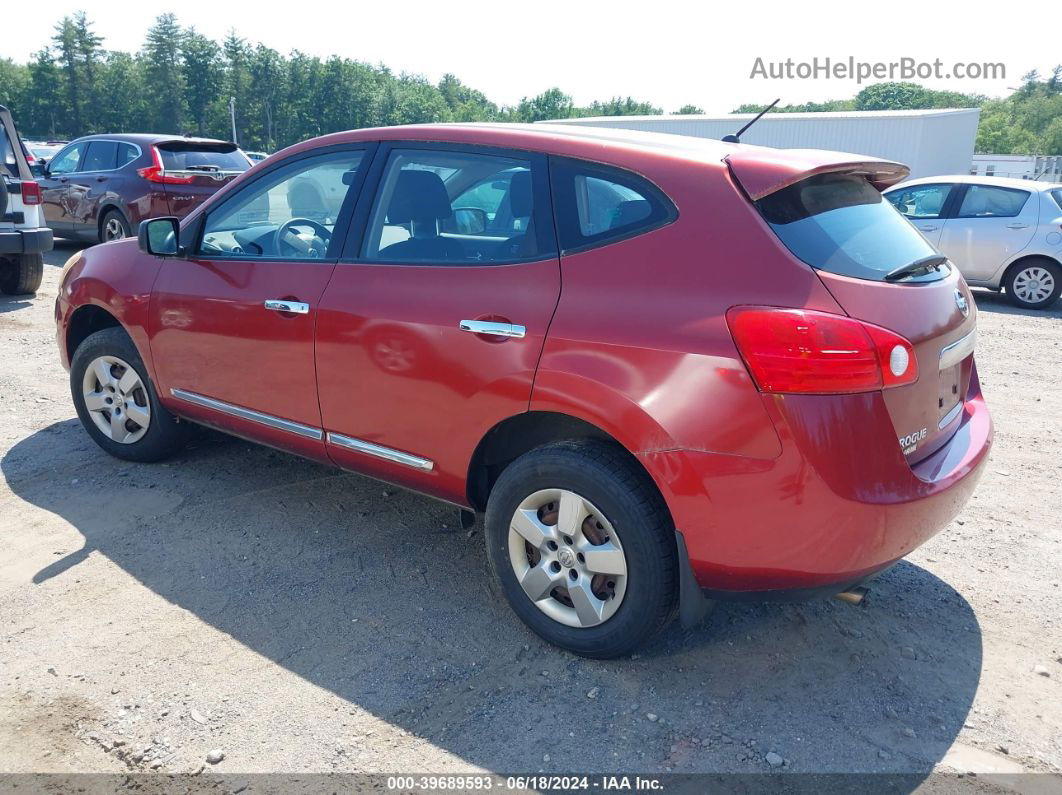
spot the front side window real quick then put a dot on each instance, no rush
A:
(990, 201)
(920, 201)
(66, 161)
(100, 156)
(598, 204)
(287, 214)
(450, 207)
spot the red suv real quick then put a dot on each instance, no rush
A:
(100, 187)
(668, 370)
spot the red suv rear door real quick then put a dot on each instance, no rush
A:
(432, 326)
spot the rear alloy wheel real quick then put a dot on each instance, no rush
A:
(116, 401)
(583, 547)
(114, 227)
(1035, 284)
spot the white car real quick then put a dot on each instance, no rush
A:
(23, 236)
(1000, 233)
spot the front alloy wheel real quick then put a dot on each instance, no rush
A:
(116, 399)
(567, 558)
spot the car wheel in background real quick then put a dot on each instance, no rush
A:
(117, 403)
(114, 227)
(21, 274)
(583, 548)
(1034, 284)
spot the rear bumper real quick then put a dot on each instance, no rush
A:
(838, 505)
(26, 241)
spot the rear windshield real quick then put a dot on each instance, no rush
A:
(840, 223)
(182, 157)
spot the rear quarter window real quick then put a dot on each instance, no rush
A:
(596, 205)
(841, 224)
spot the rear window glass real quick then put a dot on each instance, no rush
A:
(100, 156)
(992, 201)
(841, 224)
(598, 204)
(203, 159)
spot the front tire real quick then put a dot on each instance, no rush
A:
(117, 403)
(21, 274)
(583, 547)
(1034, 284)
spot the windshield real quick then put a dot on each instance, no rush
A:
(223, 158)
(840, 223)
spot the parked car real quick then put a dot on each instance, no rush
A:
(668, 370)
(99, 187)
(256, 157)
(23, 237)
(39, 154)
(1004, 234)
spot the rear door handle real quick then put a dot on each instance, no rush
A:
(294, 307)
(493, 329)
(1017, 226)
(928, 228)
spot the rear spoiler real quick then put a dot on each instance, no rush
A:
(762, 171)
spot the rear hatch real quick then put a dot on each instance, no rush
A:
(881, 271)
(191, 170)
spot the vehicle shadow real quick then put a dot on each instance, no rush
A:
(991, 301)
(373, 595)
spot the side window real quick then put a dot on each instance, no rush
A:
(989, 201)
(127, 153)
(66, 161)
(598, 204)
(100, 156)
(289, 213)
(920, 201)
(449, 207)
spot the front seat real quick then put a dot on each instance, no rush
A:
(521, 204)
(420, 199)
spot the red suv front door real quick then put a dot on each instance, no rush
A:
(430, 331)
(234, 322)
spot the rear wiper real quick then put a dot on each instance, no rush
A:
(923, 264)
(203, 168)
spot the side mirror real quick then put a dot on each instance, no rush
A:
(159, 237)
(467, 221)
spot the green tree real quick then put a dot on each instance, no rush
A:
(163, 77)
(202, 74)
(78, 50)
(551, 104)
(689, 110)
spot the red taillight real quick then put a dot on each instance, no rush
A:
(798, 350)
(156, 173)
(31, 192)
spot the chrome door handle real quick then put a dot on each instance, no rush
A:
(494, 329)
(294, 307)
(1017, 226)
(928, 228)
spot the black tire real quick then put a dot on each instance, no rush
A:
(610, 479)
(118, 218)
(165, 434)
(21, 274)
(1033, 262)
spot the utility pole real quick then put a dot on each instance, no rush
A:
(232, 113)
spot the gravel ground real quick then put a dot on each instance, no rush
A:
(300, 619)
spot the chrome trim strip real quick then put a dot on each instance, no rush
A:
(952, 354)
(950, 416)
(386, 453)
(248, 414)
(494, 329)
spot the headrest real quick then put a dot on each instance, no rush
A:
(419, 196)
(630, 212)
(521, 197)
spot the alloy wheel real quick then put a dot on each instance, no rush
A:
(567, 558)
(116, 399)
(1033, 284)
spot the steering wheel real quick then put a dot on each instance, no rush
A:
(302, 247)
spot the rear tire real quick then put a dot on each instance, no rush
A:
(1035, 283)
(21, 274)
(101, 365)
(614, 493)
(113, 226)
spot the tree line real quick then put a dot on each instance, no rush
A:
(181, 81)
(1028, 122)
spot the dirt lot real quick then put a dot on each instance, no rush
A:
(303, 619)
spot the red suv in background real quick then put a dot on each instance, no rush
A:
(100, 187)
(667, 369)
